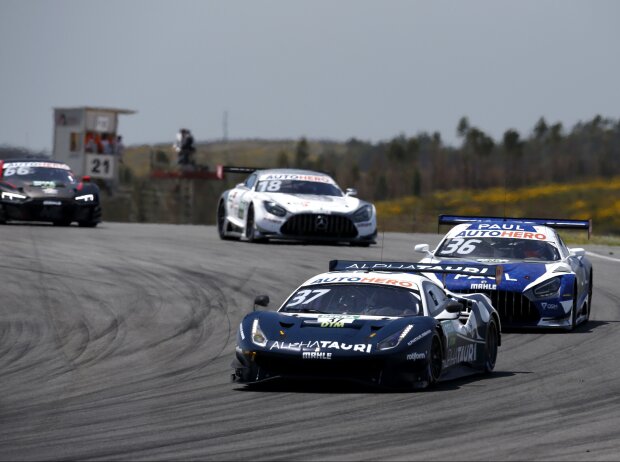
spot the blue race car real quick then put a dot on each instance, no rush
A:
(544, 284)
(380, 323)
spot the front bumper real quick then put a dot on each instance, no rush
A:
(318, 227)
(378, 370)
(50, 210)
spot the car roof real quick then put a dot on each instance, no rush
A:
(504, 229)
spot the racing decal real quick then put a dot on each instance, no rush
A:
(317, 345)
(295, 176)
(22, 168)
(241, 331)
(506, 234)
(404, 267)
(50, 191)
(304, 297)
(364, 280)
(269, 186)
(460, 354)
(419, 337)
(333, 321)
(469, 276)
(316, 355)
(44, 184)
(416, 356)
(483, 286)
(509, 226)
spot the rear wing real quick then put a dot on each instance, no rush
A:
(551, 222)
(407, 267)
(231, 169)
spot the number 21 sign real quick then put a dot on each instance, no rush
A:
(100, 166)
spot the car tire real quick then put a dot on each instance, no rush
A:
(573, 312)
(435, 361)
(250, 227)
(590, 290)
(221, 221)
(491, 346)
(87, 224)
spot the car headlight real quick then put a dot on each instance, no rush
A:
(86, 198)
(547, 288)
(393, 340)
(363, 214)
(13, 196)
(258, 337)
(275, 209)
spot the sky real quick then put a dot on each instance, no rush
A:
(320, 69)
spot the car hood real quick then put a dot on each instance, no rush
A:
(46, 190)
(311, 203)
(340, 334)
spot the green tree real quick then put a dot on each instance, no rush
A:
(302, 152)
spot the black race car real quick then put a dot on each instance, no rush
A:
(46, 190)
(381, 323)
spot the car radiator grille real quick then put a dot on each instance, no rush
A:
(356, 369)
(513, 307)
(319, 225)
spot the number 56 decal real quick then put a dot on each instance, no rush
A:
(100, 165)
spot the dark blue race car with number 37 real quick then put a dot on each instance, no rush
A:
(380, 323)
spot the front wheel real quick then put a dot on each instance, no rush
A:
(221, 221)
(492, 342)
(435, 361)
(251, 233)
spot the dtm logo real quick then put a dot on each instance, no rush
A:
(416, 356)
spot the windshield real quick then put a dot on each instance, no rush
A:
(355, 299)
(498, 248)
(39, 176)
(299, 187)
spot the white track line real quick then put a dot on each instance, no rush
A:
(603, 256)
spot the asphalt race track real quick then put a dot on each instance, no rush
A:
(116, 344)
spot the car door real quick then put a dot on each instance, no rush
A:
(239, 198)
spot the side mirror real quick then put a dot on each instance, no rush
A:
(240, 185)
(261, 300)
(422, 248)
(577, 252)
(453, 306)
(351, 192)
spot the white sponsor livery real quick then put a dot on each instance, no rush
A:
(464, 353)
(317, 345)
(419, 337)
(416, 356)
(296, 177)
(483, 286)
(17, 165)
(316, 355)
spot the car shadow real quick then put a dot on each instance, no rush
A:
(584, 328)
(325, 386)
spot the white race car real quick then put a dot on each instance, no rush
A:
(295, 205)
